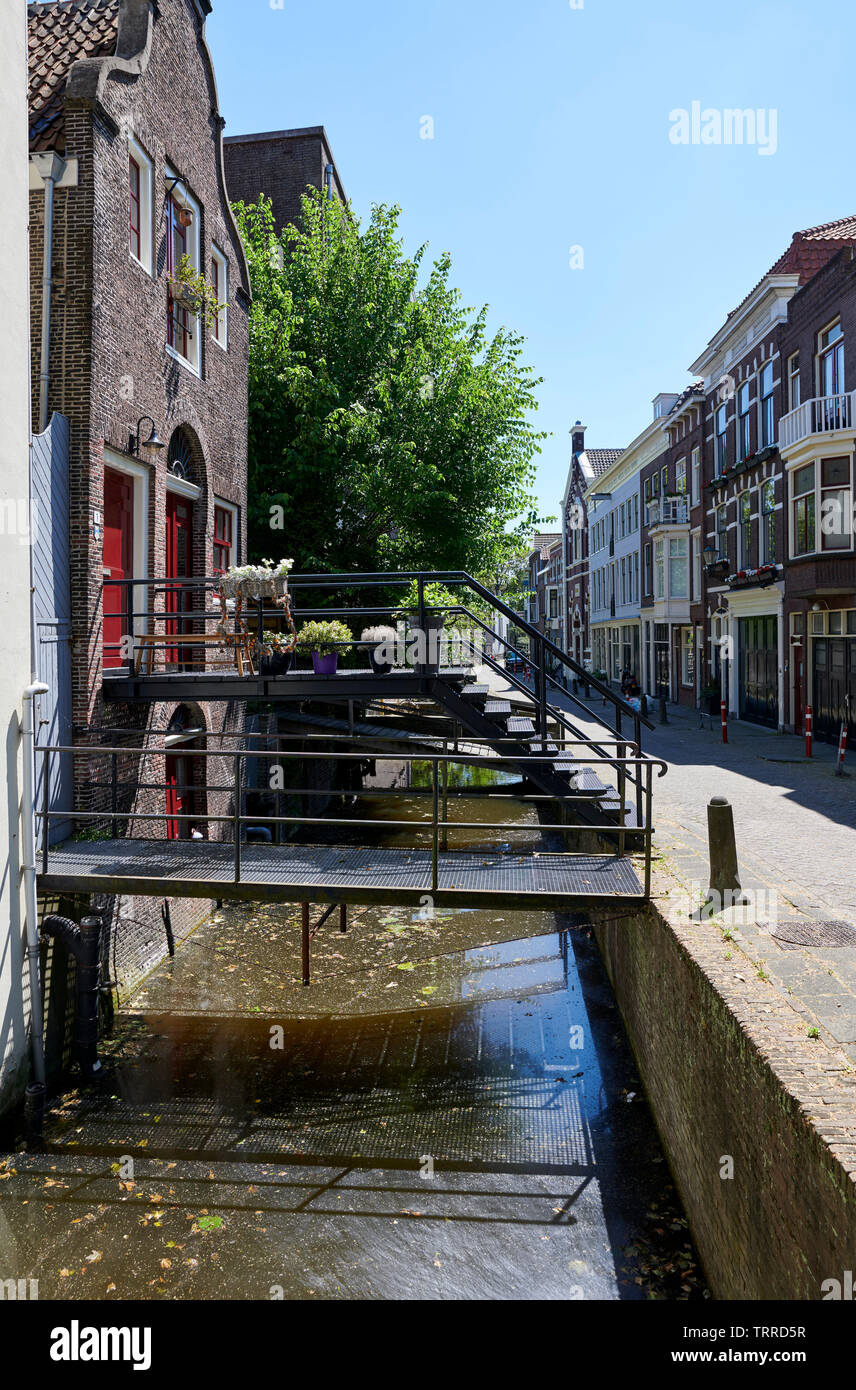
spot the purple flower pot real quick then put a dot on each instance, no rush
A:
(325, 665)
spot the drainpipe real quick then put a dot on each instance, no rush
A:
(51, 169)
(329, 175)
(84, 943)
(36, 1090)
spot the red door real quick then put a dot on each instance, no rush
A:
(118, 560)
(176, 796)
(179, 566)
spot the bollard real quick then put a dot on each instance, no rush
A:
(842, 749)
(664, 717)
(724, 874)
(724, 711)
(809, 732)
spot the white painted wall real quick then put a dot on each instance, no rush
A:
(14, 547)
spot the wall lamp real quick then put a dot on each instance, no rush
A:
(136, 442)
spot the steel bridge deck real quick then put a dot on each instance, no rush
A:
(343, 874)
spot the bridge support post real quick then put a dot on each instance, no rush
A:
(305, 941)
(343, 917)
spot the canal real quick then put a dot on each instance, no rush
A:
(451, 1111)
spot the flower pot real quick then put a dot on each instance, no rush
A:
(380, 668)
(279, 664)
(325, 665)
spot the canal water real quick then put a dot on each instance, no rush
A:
(451, 1111)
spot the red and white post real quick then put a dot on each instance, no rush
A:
(724, 711)
(842, 749)
(809, 732)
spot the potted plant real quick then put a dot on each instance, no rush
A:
(436, 600)
(264, 580)
(381, 642)
(274, 653)
(323, 641)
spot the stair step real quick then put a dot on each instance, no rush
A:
(475, 692)
(521, 726)
(497, 707)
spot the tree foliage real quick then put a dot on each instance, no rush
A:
(388, 430)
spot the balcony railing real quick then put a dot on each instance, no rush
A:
(668, 511)
(820, 415)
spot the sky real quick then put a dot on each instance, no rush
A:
(555, 177)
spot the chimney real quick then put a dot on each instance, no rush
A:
(578, 438)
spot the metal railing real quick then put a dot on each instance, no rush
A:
(668, 511)
(121, 812)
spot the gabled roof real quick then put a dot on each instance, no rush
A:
(60, 33)
(601, 459)
(808, 253)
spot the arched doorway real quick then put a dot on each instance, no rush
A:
(185, 775)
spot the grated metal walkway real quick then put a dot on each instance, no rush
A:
(301, 873)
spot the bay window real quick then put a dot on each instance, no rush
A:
(822, 506)
(660, 570)
(803, 493)
(679, 580)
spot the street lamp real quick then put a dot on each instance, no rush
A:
(135, 443)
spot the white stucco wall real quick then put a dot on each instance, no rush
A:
(14, 549)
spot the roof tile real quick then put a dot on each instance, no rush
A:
(60, 33)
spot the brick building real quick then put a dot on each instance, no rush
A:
(282, 164)
(585, 468)
(758, 368)
(127, 176)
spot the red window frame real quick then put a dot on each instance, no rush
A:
(224, 527)
(177, 329)
(134, 214)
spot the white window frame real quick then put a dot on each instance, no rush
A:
(820, 494)
(146, 168)
(220, 331)
(185, 199)
(236, 528)
(696, 476)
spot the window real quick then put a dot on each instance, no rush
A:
(835, 504)
(793, 381)
(660, 570)
(220, 286)
(636, 511)
(225, 551)
(721, 457)
(767, 530)
(695, 594)
(804, 510)
(678, 568)
(649, 569)
(182, 216)
(743, 431)
(134, 208)
(681, 477)
(623, 585)
(744, 532)
(621, 520)
(767, 429)
(140, 206)
(687, 656)
(664, 480)
(696, 477)
(722, 532)
(830, 361)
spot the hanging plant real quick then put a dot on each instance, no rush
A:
(190, 289)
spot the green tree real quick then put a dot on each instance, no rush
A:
(388, 430)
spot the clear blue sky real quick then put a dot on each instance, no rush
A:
(552, 131)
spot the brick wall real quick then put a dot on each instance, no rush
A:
(729, 1071)
(110, 366)
(281, 164)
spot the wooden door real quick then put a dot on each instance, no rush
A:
(118, 562)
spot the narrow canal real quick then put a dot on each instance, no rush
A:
(451, 1111)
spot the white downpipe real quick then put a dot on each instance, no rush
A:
(28, 845)
(51, 168)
